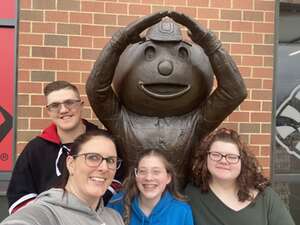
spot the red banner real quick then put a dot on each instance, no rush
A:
(7, 91)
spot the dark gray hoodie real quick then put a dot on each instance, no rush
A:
(53, 208)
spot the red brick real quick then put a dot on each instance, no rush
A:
(109, 31)
(92, 6)
(175, 2)
(269, 16)
(250, 106)
(23, 124)
(73, 77)
(24, 51)
(242, 4)
(90, 53)
(125, 20)
(268, 61)
(241, 49)
(264, 5)
(43, 27)
(245, 71)
(264, 162)
(92, 30)
(252, 38)
(28, 63)
(38, 100)
(208, 13)
(241, 26)
(263, 72)
(231, 14)
(265, 151)
(30, 39)
(264, 27)
(220, 3)
(25, 4)
(116, 8)
(269, 39)
(267, 84)
(68, 29)
(267, 106)
(24, 26)
(219, 25)
(68, 53)
(253, 16)
(55, 16)
(31, 87)
(54, 64)
(139, 9)
(23, 75)
(260, 117)
(153, 1)
(105, 19)
(239, 117)
(262, 94)
(29, 111)
(253, 83)
(81, 18)
(77, 65)
(262, 139)
(201, 3)
(263, 49)
(252, 60)
(46, 52)
(80, 41)
(191, 12)
(100, 42)
(23, 99)
(39, 123)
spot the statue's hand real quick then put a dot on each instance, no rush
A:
(131, 34)
(198, 34)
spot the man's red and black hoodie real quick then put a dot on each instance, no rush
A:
(39, 167)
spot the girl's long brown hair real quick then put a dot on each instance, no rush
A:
(132, 191)
(250, 177)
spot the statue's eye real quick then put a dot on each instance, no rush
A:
(149, 52)
(183, 53)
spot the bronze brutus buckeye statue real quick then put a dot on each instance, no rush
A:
(161, 95)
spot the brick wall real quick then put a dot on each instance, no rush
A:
(60, 39)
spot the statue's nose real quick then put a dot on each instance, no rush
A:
(165, 68)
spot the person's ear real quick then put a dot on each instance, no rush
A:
(169, 178)
(70, 162)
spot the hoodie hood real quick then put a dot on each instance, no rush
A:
(66, 200)
(50, 133)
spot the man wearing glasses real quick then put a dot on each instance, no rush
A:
(39, 165)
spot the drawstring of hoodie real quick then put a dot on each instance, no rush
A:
(60, 152)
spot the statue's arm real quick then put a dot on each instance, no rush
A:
(98, 87)
(231, 90)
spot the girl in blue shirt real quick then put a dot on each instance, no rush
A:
(150, 196)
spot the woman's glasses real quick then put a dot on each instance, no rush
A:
(230, 158)
(94, 160)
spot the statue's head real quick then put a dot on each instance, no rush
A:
(164, 75)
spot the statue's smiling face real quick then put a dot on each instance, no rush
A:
(163, 78)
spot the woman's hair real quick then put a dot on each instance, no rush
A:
(130, 186)
(76, 148)
(250, 176)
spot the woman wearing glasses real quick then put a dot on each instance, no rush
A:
(89, 171)
(150, 195)
(229, 188)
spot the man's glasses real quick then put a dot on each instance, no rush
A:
(94, 160)
(230, 158)
(69, 104)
